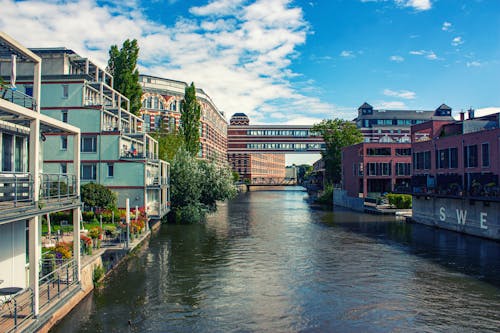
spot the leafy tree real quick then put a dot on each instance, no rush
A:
(122, 64)
(303, 172)
(336, 133)
(216, 183)
(190, 120)
(185, 179)
(97, 195)
(169, 144)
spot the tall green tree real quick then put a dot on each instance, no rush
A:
(336, 133)
(190, 120)
(169, 144)
(122, 64)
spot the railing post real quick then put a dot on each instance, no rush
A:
(15, 312)
(15, 190)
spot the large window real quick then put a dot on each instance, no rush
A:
(453, 158)
(378, 169)
(18, 154)
(378, 151)
(422, 160)
(403, 151)
(485, 152)
(403, 169)
(470, 156)
(89, 144)
(89, 171)
(7, 152)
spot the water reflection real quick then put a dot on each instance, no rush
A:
(267, 262)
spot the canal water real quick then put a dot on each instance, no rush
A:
(270, 262)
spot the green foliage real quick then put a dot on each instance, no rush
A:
(400, 201)
(169, 144)
(97, 275)
(216, 183)
(303, 172)
(190, 120)
(236, 176)
(196, 186)
(336, 133)
(122, 64)
(326, 198)
(97, 195)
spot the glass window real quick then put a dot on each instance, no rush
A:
(111, 169)
(28, 90)
(485, 151)
(18, 154)
(64, 116)
(64, 168)
(89, 171)
(65, 91)
(64, 142)
(89, 144)
(470, 156)
(453, 158)
(403, 151)
(7, 153)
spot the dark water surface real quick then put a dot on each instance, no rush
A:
(268, 262)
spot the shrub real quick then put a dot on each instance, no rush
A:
(97, 275)
(400, 201)
(326, 198)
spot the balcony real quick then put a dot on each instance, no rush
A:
(55, 187)
(134, 154)
(18, 98)
(16, 190)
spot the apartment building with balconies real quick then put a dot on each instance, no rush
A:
(115, 151)
(29, 190)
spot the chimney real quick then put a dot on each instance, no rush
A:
(462, 115)
(471, 113)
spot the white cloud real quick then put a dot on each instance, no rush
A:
(347, 54)
(396, 58)
(457, 41)
(474, 63)
(401, 94)
(394, 105)
(486, 111)
(427, 54)
(446, 26)
(238, 51)
(415, 4)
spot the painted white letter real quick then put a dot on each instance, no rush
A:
(461, 216)
(482, 220)
(442, 214)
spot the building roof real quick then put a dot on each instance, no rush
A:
(365, 106)
(403, 114)
(239, 114)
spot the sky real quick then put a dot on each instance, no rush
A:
(290, 61)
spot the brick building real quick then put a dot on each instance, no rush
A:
(161, 109)
(256, 168)
(369, 169)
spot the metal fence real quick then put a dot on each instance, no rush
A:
(15, 310)
(18, 98)
(57, 186)
(16, 188)
(58, 281)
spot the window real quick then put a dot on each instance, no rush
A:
(378, 151)
(379, 169)
(7, 153)
(485, 152)
(18, 154)
(28, 90)
(64, 168)
(89, 171)
(89, 144)
(111, 169)
(422, 160)
(65, 91)
(470, 156)
(403, 151)
(453, 158)
(64, 116)
(64, 142)
(403, 169)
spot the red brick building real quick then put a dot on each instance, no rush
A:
(370, 169)
(457, 157)
(256, 168)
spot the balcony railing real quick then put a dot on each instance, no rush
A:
(57, 186)
(15, 310)
(18, 98)
(16, 189)
(130, 154)
(61, 277)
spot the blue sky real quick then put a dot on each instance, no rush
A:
(284, 61)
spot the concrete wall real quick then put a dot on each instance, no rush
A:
(13, 254)
(479, 218)
(340, 198)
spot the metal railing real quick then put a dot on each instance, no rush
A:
(16, 188)
(15, 310)
(53, 284)
(57, 186)
(17, 97)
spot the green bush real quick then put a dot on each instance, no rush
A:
(88, 216)
(326, 198)
(400, 201)
(98, 275)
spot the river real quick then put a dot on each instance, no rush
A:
(270, 262)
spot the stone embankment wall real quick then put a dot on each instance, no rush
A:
(473, 217)
(340, 198)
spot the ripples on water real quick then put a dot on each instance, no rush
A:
(268, 262)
